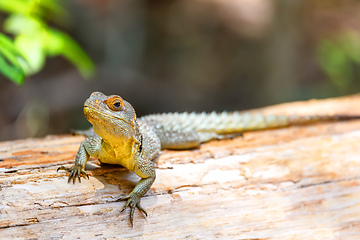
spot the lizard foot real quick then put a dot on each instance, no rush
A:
(75, 172)
(132, 201)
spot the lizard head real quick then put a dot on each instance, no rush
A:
(112, 117)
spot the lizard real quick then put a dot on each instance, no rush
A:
(119, 137)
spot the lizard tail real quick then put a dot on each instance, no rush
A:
(234, 122)
(301, 120)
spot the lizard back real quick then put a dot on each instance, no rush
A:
(186, 130)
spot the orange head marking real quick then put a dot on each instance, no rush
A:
(133, 123)
(115, 103)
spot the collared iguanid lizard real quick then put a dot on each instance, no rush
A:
(121, 138)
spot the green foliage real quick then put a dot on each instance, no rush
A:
(34, 40)
(10, 60)
(340, 58)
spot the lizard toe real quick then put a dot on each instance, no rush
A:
(141, 209)
(133, 202)
(75, 172)
(63, 168)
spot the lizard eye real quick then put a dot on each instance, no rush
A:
(115, 103)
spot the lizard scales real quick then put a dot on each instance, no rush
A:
(188, 130)
(119, 137)
(233, 122)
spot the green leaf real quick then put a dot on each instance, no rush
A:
(15, 6)
(9, 51)
(41, 8)
(56, 10)
(59, 43)
(54, 42)
(10, 60)
(14, 73)
(31, 48)
(34, 40)
(20, 24)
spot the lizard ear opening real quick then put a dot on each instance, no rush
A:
(115, 103)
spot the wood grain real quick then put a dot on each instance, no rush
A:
(299, 182)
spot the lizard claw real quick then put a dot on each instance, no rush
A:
(132, 201)
(75, 172)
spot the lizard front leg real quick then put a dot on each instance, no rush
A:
(88, 147)
(145, 170)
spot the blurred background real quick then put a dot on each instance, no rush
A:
(188, 55)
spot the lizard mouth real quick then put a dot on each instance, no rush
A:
(94, 116)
